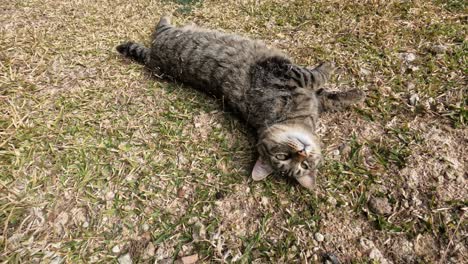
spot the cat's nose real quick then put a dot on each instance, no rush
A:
(302, 153)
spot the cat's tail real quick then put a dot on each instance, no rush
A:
(134, 51)
(337, 101)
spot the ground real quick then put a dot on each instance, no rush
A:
(101, 162)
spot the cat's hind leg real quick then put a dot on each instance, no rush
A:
(164, 22)
(337, 101)
(163, 25)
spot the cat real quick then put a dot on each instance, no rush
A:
(279, 99)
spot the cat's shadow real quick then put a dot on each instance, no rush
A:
(233, 117)
(222, 106)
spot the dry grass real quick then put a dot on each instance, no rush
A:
(97, 159)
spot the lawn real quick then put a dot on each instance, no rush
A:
(100, 162)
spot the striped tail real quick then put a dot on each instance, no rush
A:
(135, 51)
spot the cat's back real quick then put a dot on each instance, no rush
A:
(215, 61)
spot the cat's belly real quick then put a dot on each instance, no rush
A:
(267, 106)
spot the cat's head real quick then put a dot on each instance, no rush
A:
(291, 150)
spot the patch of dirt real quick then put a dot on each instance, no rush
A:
(440, 162)
(380, 205)
(343, 233)
(203, 124)
(238, 216)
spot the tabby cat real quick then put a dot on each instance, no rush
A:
(278, 98)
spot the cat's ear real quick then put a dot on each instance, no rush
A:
(261, 170)
(308, 181)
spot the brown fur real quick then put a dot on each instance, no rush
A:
(280, 99)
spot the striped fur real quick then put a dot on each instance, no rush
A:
(134, 51)
(338, 101)
(279, 98)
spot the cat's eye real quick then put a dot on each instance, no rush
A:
(304, 165)
(281, 156)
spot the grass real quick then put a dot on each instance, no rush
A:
(95, 153)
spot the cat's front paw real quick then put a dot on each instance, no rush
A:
(326, 67)
(321, 74)
(337, 101)
(354, 96)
